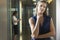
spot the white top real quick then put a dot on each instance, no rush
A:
(14, 20)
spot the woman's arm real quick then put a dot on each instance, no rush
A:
(34, 27)
(51, 33)
(16, 20)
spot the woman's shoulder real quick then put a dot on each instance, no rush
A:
(13, 16)
(33, 18)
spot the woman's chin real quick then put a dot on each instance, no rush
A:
(40, 14)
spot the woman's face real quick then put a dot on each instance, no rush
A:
(41, 8)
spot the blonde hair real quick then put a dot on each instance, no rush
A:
(45, 13)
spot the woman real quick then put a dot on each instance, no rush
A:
(42, 27)
(15, 24)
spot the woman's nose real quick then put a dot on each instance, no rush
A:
(41, 8)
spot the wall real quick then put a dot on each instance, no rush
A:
(58, 19)
(3, 19)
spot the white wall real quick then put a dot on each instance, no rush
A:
(57, 19)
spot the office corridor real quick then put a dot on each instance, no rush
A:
(25, 9)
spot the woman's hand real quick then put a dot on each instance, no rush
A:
(39, 18)
(18, 20)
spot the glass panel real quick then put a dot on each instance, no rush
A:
(12, 5)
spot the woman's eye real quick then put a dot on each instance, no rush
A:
(44, 7)
(40, 5)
